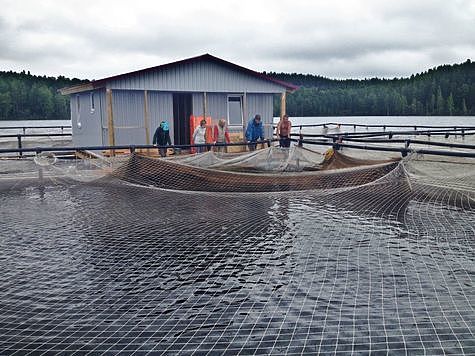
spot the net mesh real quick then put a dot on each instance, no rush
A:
(234, 177)
(334, 254)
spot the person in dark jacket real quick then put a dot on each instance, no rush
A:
(162, 138)
(254, 132)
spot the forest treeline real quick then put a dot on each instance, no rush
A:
(24, 96)
(445, 90)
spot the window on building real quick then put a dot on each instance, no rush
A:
(93, 105)
(235, 110)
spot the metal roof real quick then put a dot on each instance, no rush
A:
(101, 83)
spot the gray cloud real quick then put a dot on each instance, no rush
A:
(346, 39)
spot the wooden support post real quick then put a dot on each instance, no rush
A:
(205, 105)
(146, 120)
(245, 115)
(283, 107)
(205, 111)
(110, 120)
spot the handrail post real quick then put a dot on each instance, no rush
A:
(20, 154)
(405, 150)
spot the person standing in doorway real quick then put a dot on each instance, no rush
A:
(199, 137)
(162, 138)
(254, 132)
(221, 135)
(283, 131)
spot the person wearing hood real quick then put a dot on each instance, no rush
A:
(254, 132)
(162, 138)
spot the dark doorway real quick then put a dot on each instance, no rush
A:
(182, 109)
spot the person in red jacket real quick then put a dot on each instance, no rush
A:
(221, 135)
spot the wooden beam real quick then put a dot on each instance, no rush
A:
(283, 107)
(77, 89)
(245, 114)
(146, 120)
(205, 105)
(110, 119)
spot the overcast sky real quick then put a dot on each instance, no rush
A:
(334, 38)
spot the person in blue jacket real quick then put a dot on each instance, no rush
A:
(254, 132)
(162, 138)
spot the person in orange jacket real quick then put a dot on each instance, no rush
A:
(221, 135)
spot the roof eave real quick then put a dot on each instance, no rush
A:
(77, 88)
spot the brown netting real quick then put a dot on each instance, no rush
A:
(179, 175)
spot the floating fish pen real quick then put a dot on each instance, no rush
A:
(276, 251)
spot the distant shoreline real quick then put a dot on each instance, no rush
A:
(34, 120)
(310, 116)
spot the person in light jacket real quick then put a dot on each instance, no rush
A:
(199, 137)
(221, 135)
(254, 132)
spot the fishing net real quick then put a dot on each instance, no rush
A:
(232, 175)
(272, 159)
(314, 252)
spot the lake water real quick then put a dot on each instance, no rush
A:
(367, 120)
(107, 267)
(54, 141)
(389, 120)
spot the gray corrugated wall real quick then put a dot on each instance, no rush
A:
(128, 107)
(261, 104)
(128, 111)
(128, 114)
(216, 105)
(256, 104)
(160, 109)
(197, 103)
(90, 132)
(196, 77)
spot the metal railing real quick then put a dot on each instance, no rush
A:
(20, 136)
(336, 145)
(383, 126)
(24, 128)
(130, 148)
(335, 140)
(403, 150)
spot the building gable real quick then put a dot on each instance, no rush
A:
(205, 73)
